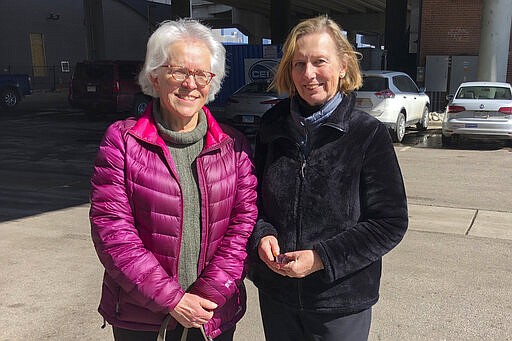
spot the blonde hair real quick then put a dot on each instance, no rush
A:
(353, 80)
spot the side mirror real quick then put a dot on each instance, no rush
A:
(449, 97)
(422, 89)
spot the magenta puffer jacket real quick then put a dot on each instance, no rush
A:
(136, 222)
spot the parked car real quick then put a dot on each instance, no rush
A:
(478, 110)
(246, 105)
(107, 86)
(13, 87)
(394, 99)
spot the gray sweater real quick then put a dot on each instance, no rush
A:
(184, 149)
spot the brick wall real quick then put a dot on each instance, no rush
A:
(452, 27)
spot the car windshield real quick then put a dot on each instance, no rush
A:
(371, 83)
(94, 72)
(256, 88)
(484, 92)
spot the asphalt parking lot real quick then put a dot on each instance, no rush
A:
(449, 279)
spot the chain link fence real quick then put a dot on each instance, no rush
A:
(44, 78)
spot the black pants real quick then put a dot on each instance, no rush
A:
(194, 334)
(282, 323)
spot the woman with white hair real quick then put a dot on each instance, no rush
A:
(173, 200)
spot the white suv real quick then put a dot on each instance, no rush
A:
(394, 99)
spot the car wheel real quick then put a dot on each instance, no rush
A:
(399, 132)
(140, 103)
(447, 141)
(9, 98)
(422, 125)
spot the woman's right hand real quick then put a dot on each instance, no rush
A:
(192, 311)
(268, 249)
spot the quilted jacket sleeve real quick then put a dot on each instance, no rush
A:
(263, 227)
(115, 237)
(226, 270)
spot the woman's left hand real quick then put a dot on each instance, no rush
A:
(301, 263)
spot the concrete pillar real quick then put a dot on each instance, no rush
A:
(181, 9)
(396, 36)
(351, 36)
(494, 40)
(280, 23)
(93, 18)
(255, 26)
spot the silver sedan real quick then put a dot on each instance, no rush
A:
(478, 110)
(245, 107)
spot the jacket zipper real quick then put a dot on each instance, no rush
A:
(298, 216)
(204, 198)
(118, 301)
(204, 215)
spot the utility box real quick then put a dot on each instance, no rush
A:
(463, 69)
(436, 73)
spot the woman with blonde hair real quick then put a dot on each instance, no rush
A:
(331, 194)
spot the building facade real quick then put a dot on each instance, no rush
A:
(46, 38)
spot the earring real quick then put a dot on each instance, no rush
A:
(342, 75)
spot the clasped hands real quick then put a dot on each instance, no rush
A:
(192, 311)
(299, 264)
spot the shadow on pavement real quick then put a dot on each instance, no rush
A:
(47, 149)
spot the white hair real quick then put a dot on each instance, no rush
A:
(169, 32)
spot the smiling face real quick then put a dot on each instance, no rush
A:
(180, 102)
(316, 68)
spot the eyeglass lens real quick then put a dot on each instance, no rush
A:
(200, 77)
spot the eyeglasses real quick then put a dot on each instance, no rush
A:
(180, 73)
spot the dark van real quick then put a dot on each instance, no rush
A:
(107, 87)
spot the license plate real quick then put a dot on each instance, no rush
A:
(471, 125)
(483, 114)
(363, 103)
(91, 88)
(247, 119)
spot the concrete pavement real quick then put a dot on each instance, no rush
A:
(471, 222)
(450, 279)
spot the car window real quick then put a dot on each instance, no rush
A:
(502, 93)
(96, 72)
(404, 84)
(255, 88)
(372, 83)
(483, 92)
(128, 71)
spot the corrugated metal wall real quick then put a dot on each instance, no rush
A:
(235, 69)
(235, 73)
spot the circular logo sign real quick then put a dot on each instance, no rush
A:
(263, 69)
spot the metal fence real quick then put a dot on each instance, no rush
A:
(50, 78)
(438, 101)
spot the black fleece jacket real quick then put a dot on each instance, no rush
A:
(345, 200)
